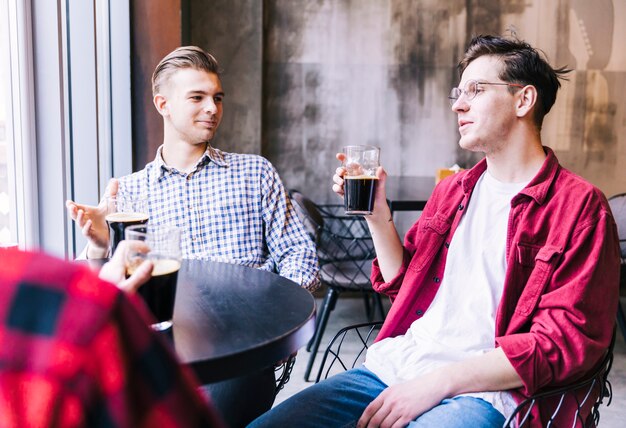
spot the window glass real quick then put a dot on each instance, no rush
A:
(6, 205)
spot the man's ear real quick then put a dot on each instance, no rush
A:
(526, 100)
(160, 102)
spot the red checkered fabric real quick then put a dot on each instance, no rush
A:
(76, 351)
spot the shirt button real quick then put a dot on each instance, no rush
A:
(436, 279)
(419, 312)
(461, 207)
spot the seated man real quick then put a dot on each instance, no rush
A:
(76, 351)
(231, 207)
(505, 285)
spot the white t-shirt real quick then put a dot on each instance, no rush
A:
(460, 322)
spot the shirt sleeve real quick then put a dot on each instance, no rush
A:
(288, 243)
(141, 382)
(573, 324)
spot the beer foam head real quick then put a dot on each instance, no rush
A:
(126, 217)
(161, 267)
(360, 177)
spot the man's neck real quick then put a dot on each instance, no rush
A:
(182, 155)
(517, 162)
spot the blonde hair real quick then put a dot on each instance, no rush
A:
(181, 58)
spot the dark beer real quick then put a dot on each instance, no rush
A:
(359, 193)
(159, 292)
(118, 222)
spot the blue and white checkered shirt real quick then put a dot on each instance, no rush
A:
(231, 208)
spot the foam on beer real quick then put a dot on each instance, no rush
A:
(126, 217)
(360, 177)
(161, 267)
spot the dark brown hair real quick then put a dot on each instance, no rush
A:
(523, 64)
(180, 58)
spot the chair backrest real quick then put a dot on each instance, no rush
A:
(584, 396)
(308, 213)
(618, 207)
(344, 244)
(348, 348)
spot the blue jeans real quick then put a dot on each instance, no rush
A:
(340, 400)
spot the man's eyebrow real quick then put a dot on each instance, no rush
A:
(201, 92)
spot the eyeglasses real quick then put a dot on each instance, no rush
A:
(471, 89)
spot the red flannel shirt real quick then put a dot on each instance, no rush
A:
(556, 316)
(76, 352)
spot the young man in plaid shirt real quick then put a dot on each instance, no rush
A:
(231, 207)
(76, 351)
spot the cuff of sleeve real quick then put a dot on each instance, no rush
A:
(379, 284)
(524, 355)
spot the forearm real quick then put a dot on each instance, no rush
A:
(389, 250)
(488, 372)
(94, 252)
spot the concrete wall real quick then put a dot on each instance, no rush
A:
(155, 31)
(304, 78)
(232, 31)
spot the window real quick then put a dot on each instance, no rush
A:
(8, 234)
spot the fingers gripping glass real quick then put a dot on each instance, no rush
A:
(472, 87)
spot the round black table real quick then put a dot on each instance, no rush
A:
(231, 320)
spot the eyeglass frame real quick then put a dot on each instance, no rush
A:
(469, 97)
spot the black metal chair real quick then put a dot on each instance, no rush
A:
(618, 207)
(347, 349)
(345, 251)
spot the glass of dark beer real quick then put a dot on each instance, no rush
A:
(360, 180)
(124, 211)
(161, 245)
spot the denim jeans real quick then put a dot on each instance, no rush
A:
(340, 400)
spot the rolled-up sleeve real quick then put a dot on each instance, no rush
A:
(573, 322)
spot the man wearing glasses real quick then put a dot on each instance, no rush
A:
(507, 283)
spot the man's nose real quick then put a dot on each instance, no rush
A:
(460, 104)
(210, 106)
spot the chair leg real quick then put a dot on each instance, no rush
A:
(379, 304)
(369, 310)
(621, 320)
(329, 304)
(325, 303)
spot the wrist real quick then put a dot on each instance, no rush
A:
(95, 252)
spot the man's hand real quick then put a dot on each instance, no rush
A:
(92, 221)
(381, 209)
(115, 270)
(398, 405)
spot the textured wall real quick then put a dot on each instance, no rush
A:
(341, 72)
(232, 32)
(156, 31)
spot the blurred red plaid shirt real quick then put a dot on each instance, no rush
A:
(76, 351)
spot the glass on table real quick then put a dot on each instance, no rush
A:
(161, 245)
(122, 212)
(360, 179)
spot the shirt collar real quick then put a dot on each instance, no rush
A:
(210, 155)
(538, 186)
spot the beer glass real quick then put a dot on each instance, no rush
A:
(162, 247)
(124, 211)
(360, 179)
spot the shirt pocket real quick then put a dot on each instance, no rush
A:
(432, 233)
(543, 262)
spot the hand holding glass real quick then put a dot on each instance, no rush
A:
(360, 179)
(164, 252)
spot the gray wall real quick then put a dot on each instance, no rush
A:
(338, 72)
(233, 32)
